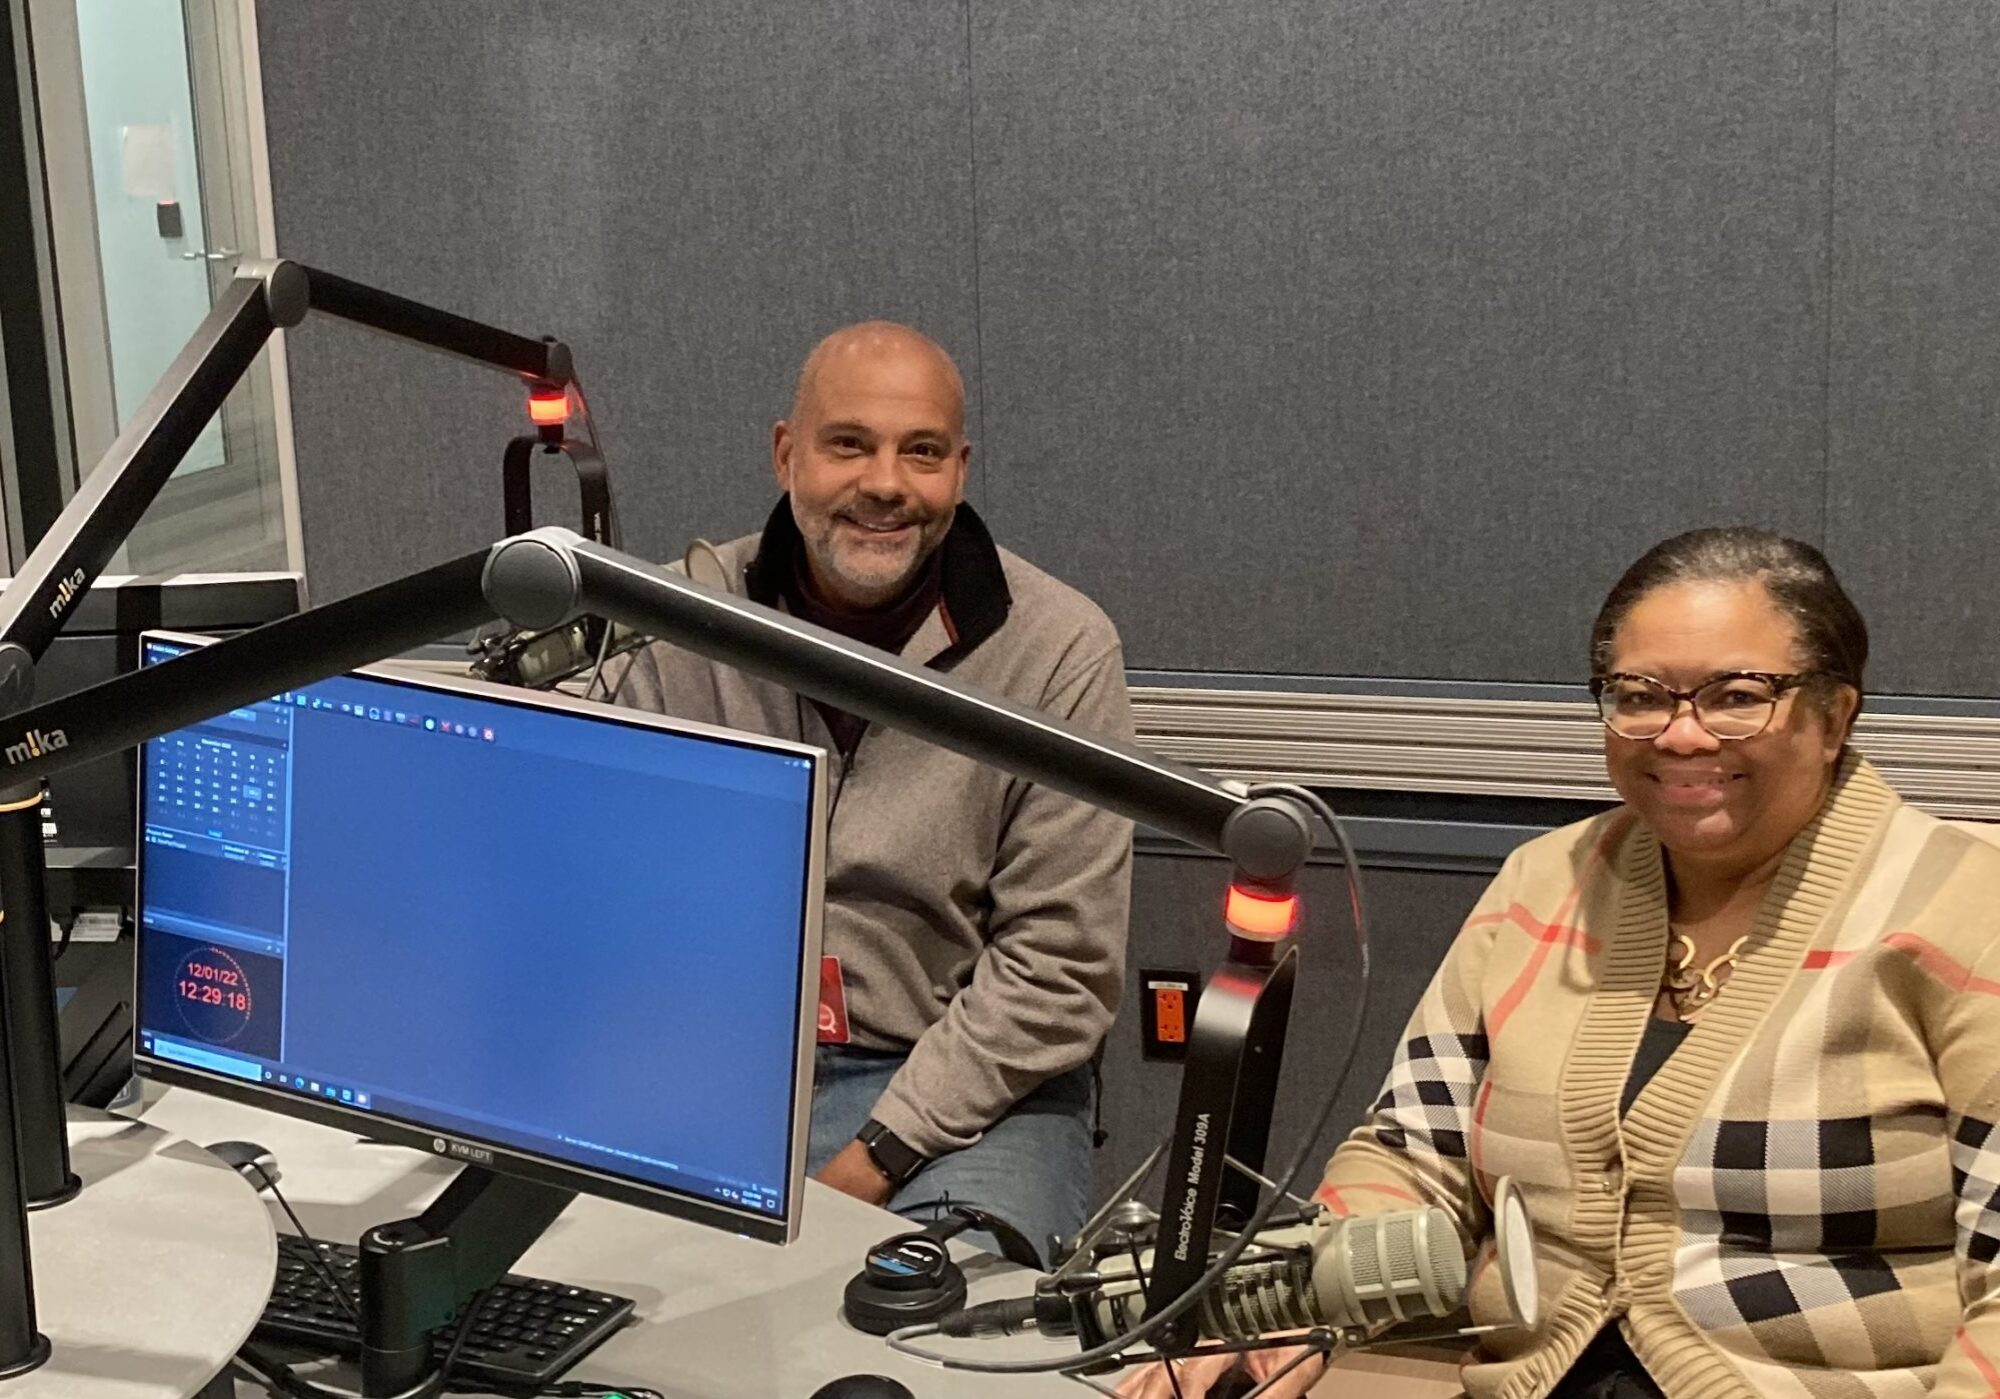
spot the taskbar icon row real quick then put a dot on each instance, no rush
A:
(312, 1087)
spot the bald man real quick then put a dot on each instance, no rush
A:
(975, 924)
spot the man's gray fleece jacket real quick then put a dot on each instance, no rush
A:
(979, 919)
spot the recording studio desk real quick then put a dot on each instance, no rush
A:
(720, 1317)
(148, 1281)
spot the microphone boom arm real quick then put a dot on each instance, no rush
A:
(263, 296)
(552, 575)
(313, 645)
(549, 576)
(1235, 1044)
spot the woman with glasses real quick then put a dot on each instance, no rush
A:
(1738, 1040)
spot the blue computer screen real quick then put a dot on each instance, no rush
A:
(572, 935)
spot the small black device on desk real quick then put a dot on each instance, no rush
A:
(528, 1333)
(910, 1278)
(864, 1387)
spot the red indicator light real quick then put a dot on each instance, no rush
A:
(549, 409)
(1261, 915)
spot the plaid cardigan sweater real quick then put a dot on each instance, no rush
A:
(1806, 1200)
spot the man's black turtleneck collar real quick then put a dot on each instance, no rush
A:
(971, 583)
(890, 627)
(962, 579)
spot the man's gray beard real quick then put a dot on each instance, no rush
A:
(829, 556)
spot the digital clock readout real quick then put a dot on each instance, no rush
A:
(214, 994)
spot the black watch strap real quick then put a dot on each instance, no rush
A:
(895, 1158)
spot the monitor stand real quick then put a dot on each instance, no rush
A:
(416, 1274)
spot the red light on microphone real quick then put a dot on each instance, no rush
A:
(1264, 916)
(549, 408)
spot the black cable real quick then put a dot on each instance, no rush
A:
(1155, 1321)
(1305, 1354)
(313, 1246)
(1001, 1318)
(280, 1378)
(618, 686)
(458, 1338)
(1139, 1272)
(566, 1389)
(589, 422)
(612, 536)
(603, 654)
(613, 533)
(288, 1381)
(1349, 862)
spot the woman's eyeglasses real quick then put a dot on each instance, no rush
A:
(1737, 704)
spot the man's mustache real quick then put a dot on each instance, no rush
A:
(883, 520)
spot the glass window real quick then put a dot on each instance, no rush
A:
(150, 155)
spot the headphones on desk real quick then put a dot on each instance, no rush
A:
(910, 1278)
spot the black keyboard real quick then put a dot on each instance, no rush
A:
(528, 1332)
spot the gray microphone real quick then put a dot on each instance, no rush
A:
(1348, 1274)
(1353, 1276)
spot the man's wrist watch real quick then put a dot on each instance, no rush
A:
(892, 1156)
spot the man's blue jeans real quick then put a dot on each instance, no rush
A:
(1031, 1168)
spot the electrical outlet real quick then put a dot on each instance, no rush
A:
(1166, 1012)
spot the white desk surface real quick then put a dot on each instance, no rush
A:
(148, 1281)
(719, 1317)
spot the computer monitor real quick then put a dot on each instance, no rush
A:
(559, 940)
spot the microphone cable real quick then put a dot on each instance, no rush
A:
(613, 537)
(315, 1250)
(1154, 1321)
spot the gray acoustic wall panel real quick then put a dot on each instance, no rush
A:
(1341, 337)
(1914, 485)
(689, 194)
(1176, 923)
(1315, 336)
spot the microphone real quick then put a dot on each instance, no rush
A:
(1349, 1274)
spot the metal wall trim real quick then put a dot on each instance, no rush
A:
(1947, 764)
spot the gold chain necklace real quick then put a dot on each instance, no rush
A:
(1691, 989)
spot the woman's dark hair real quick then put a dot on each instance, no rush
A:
(1831, 634)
